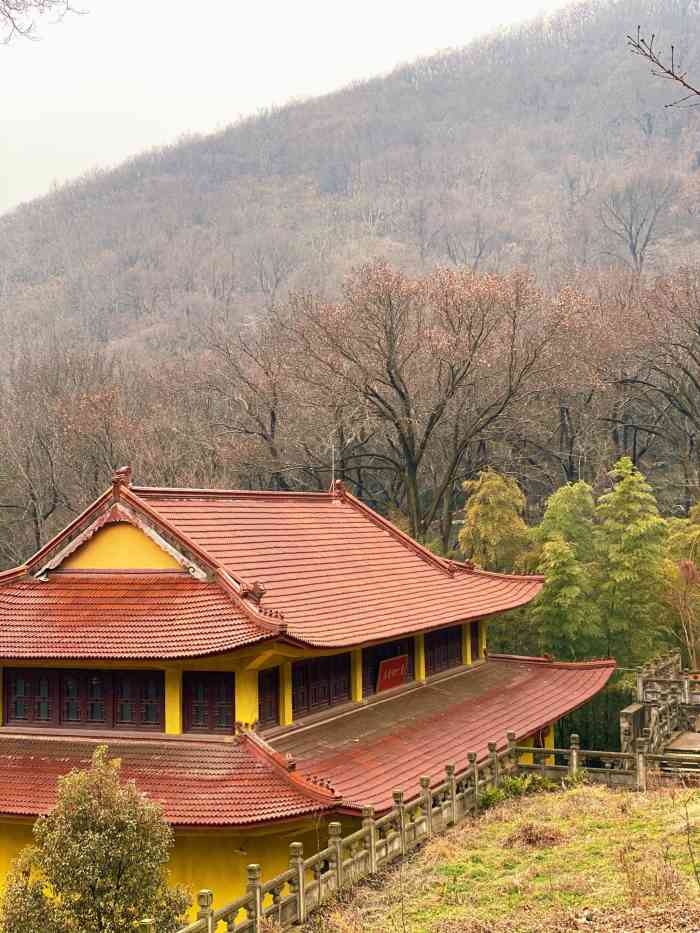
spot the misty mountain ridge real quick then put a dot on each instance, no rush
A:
(513, 151)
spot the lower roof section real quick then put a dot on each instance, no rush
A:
(122, 614)
(199, 783)
(388, 745)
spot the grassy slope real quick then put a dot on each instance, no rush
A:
(587, 858)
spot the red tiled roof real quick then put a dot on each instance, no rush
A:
(388, 746)
(334, 574)
(338, 572)
(82, 614)
(212, 783)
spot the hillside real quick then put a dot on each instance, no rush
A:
(500, 154)
(582, 859)
(525, 181)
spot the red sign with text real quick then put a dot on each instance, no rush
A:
(392, 672)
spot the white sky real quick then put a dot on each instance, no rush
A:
(132, 74)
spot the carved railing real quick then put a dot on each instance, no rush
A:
(668, 702)
(291, 896)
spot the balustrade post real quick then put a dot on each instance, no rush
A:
(641, 762)
(335, 841)
(205, 901)
(512, 756)
(474, 768)
(298, 883)
(255, 898)
(495, 769)
(401, 811)
(427, 797)
(452, 784)
(368, 824)
(574, 753)
(640, 686)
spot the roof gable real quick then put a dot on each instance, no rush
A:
(121, 545)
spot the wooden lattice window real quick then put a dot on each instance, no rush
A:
(269, 697)
(443, 649)
(319, 683)
(84, 698)
(208, 701)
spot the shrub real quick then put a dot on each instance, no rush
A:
(98, 864)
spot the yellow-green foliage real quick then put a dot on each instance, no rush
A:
(494, 534)
(99, 864)
(586, 855)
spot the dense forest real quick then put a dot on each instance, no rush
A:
(486, 258)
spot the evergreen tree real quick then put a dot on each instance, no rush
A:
(494, 534)
(683, 583)
(566, 614)
(99, 863)
(569, 514)
(628, 578)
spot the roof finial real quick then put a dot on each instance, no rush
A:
(338, 488)
(121, 477)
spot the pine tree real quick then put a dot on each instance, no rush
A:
(494, 534)
(628, 577)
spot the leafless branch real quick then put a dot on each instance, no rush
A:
(663, 68)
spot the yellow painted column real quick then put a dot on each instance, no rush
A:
(173, 702)
(482, 639)
(549, 743)
(247, 704)
(466, 643)
(419, 662)
(526, 758)
(356, 676)
(286, 707)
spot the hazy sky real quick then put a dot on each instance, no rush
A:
(132, 74)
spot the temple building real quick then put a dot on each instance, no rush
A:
(260, 662)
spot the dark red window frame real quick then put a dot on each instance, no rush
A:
(443, 650)
(375, 654)
(318, 683)
(84, 699)
(269, 697)
(208, 701)
(474, 640)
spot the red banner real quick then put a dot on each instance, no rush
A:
(392, 672)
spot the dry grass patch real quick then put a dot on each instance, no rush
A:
(582, 859)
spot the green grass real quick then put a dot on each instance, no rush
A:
(613, 859)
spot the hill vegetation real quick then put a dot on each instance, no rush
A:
(521, 217)
(583, 859)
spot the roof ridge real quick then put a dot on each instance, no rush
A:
(341, 492)
(269, 620)
(469, 567)
(14, 573)
(592, 664)
(286, 766)
(176, 491)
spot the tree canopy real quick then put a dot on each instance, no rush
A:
(98, 863)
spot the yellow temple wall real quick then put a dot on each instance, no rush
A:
(214, 858)
(120, 546)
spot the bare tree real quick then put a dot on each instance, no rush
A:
(663, 67)
(631, 214)
(19, 17)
